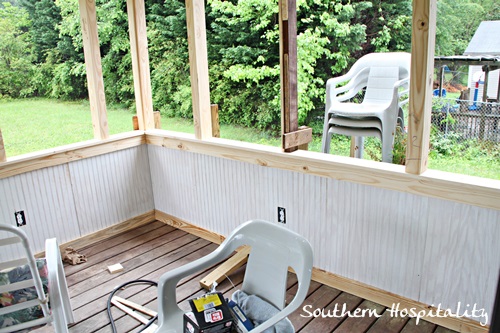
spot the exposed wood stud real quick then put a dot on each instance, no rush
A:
(157, 119)
(3, 155)
(288, 66)
(421, 80)
(95, 80)
(215, 121)
(198, 66)
(140, 63)
(135, 123)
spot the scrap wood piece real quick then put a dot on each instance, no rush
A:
(115, 268)
(135, 306)
(72, 257)
(226, 268)
(117, 301)
(297, 138)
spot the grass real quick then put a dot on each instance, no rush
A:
(29, 125)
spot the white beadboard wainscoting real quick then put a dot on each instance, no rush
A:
(430, 250)
(75, 199)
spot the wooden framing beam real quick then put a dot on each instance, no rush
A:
(214, 108)
(421, 79)
(226, 268)
(140, 63)
(198, 65)
(3, 155)
(157, 119)
(288, 70)
(95, 80)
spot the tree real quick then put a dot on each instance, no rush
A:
(457, 21)
(45, 17)
(15, 51)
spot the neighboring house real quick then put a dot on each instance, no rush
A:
(484, 43)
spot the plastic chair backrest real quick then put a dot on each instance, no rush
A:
(274, 250)
(380, 85)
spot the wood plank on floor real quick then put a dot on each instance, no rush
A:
(371, 313)
(150, 250)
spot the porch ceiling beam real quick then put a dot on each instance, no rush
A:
(140, 63)
(198, 66)
(421, 78)
(95, 80)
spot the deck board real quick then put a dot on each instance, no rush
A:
(150, 250)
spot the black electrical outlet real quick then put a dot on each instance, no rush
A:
(281, 215)
(20, 218)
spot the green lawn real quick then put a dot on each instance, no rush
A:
(30, 125)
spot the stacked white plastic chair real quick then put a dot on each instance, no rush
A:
(60, 313)
(385, 79)
(274, 249)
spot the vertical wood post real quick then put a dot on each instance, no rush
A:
(421, 78)
(135, 123)
(288, 65)
(95, 81)
(198, 66)
(3, 155)
(157, 119)
(214, 108)
(140, 63)
(441, 81)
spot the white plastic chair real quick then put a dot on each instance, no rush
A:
(273, 249)
(385, 77)
(60, 313)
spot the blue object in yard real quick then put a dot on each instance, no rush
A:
(476, 92)
(436, 92)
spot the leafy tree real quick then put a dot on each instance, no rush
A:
(457, 21)
(169, 59)
(15, 51)
(45, 16)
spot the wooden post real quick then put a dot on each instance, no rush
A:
(441, 81)
(157, 119)
(3, 155)
(140, 63)
(288, 65)
(95, 81)
(421, 78)
(135, 123)
(214, 108)
(198, 66)
(352, 151)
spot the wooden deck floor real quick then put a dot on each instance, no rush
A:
(147, 252)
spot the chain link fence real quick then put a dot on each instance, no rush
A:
(466, 121)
